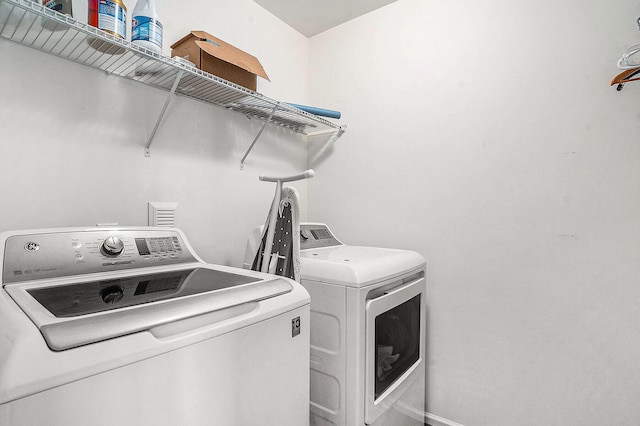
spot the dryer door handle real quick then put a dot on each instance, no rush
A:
(400, 287)
(395, 296)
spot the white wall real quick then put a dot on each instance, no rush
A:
(481, 134)
(72, 138)
(485, 136)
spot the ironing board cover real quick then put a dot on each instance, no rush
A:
(285, 252)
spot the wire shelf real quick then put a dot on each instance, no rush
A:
(33, 25)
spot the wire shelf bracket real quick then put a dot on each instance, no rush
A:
(273, 111)
(147, 148)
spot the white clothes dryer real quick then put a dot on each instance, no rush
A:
(128, 326)
(368, 330)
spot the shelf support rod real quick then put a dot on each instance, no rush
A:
(147, 150)
(332, 140)
(273, 111)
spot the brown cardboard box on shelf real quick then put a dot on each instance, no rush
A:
(219, 58)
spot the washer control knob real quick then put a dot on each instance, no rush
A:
(112, 294)
(112, 247)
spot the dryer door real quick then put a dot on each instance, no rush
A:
(395, 340)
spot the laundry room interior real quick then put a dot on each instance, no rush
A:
(485, 136)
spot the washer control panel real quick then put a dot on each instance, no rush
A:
(316, 235)
(37, 256)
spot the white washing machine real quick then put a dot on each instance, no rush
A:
(128, 326)
(368, 330)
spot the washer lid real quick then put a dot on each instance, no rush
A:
(356, 266)
(89, 297)
(84, 312)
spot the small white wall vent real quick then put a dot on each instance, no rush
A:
(162, 214)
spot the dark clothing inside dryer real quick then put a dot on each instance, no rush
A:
(397, 342)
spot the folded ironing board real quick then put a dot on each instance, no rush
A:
(284, 258)
(279, 251)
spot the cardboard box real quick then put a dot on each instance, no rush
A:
(219, 58)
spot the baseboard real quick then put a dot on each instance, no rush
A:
(429, 419)
(433, 420)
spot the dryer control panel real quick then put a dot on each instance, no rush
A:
(316, 235)
(35, 256)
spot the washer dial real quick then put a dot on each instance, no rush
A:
(112, 247)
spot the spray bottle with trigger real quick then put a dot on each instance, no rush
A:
(146, 29)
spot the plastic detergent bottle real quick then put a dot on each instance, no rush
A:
(146, 29)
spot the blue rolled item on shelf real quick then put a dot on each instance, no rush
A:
(317, 111)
